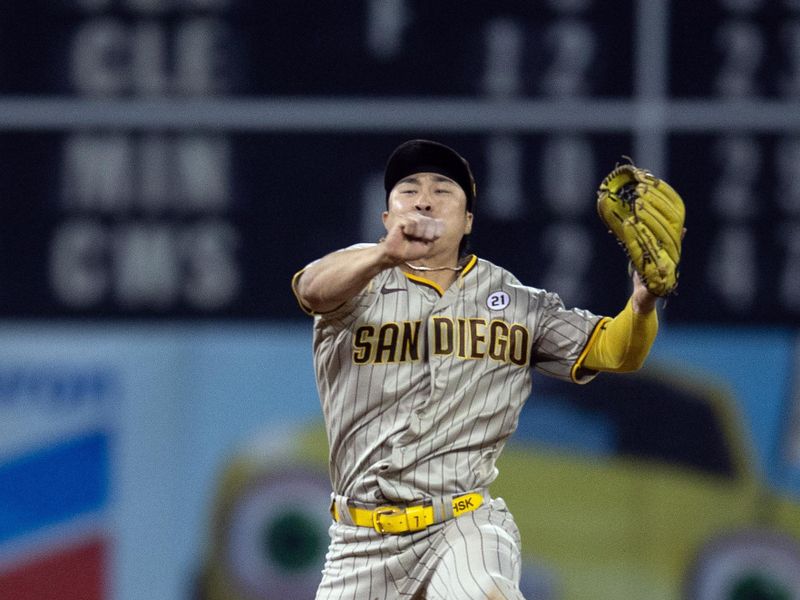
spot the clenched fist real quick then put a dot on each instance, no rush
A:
(410, 236)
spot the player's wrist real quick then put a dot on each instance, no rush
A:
(643, 302)
(384, 258)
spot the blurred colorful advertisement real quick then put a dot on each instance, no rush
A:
(56, 446)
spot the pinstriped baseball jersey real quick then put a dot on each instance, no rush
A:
(421, 387)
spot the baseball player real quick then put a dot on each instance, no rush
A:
(424, 356)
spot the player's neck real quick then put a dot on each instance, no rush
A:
(443, 272)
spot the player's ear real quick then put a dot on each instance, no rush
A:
(468, 224)
(385, 217)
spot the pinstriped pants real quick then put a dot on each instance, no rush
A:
(472, 557)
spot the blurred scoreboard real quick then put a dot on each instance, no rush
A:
(183, 158)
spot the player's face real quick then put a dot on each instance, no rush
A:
(434, 196)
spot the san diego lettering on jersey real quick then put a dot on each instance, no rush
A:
(465, 338)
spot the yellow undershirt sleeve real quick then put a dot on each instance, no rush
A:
(622, 343)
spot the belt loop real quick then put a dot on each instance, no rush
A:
(343, 509)
(438, 509)
(445, 509)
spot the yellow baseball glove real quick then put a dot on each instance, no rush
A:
(646, 215)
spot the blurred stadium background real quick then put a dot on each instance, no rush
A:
(167, 165)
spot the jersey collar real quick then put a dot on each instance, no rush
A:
(471, 261)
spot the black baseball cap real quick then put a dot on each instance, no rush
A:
(425, 156)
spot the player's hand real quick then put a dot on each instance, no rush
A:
(411, 237)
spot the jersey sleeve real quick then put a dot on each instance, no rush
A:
(561, 338)
(348, 311)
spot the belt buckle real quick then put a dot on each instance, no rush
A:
(383, 511)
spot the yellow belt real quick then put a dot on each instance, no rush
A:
(403, 519)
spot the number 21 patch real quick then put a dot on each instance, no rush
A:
(498, 300)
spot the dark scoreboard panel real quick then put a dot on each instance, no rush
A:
(109, 241)
(743, 246)
(173, 221)
(289, 47)
(735, 49)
